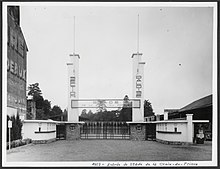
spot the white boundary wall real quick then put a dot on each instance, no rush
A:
(30, 129)
(165, 130)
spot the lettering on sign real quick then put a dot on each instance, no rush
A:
(16, 41)
(16, 85)
(15, 100)
(107, 103)
(9, 124)
(16, 69)
(72, 86)
(20, 45)
(13, 39)
(72, 94)
(138, 86)
(72, 81)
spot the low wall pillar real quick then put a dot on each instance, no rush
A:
(73, 131)
(189, 118)
(137, 131)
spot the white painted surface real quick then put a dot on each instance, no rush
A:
(73, 90)
(141, 70)
(138, 80)
(186, 127)
(9, 124)
(181, 127)
(30, 127)
(189, 118)
(165, 115)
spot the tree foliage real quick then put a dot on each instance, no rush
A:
(16, 127)
(43, 106)
(56, 113)
(34, 90)
(123, 114)
(102, 114)
(148, 110)
(56, 110)
(126, 111)
(101, 106)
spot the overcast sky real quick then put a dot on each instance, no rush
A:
(176, 43)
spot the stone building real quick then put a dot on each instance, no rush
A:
(31, 109)
(16, 65)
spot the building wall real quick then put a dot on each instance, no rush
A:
(31, 110)
(16, 65)
(172, 136)
(30, 129)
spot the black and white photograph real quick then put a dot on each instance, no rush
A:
(109, 84)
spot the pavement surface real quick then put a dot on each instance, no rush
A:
(109, 150)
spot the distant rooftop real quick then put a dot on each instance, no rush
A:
(201, 103)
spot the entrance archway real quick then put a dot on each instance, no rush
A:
(137, 91)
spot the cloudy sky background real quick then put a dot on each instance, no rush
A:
(176, 43)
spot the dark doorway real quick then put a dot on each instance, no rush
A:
(151, 131)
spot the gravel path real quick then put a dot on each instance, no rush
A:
(109, 150)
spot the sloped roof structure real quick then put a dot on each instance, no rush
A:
(201, 103)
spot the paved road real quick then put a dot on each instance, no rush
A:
(109, 150)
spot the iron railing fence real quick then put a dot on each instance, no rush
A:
(105, 130)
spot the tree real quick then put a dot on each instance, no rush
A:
(43, 107)
(90, 115)
(65, 115)
(16, 127)
(126, 102)
(56, 113)
(47, 108)
(56, 110)
(101, 104)
(126, 111)
(84, 113)
(40, 114)
(34, 90)
(148, 110)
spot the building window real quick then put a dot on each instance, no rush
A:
(175, 129)
(152, 118)
(165, 126)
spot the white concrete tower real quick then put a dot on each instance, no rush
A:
(73, 85)
(138, 83)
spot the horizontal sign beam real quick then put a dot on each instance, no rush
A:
(105, 103)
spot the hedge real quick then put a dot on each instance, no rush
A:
(17, 143)
(16, 127)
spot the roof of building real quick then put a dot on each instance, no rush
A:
(201, 103)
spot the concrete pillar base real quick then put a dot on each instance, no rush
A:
(72, 131)
(138, 131)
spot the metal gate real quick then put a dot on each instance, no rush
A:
(105, 130)
(150, 131)
(60, 131)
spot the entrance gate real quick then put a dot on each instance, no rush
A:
(105, 130)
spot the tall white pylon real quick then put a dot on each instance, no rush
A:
(138, 82)
(73, 84)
